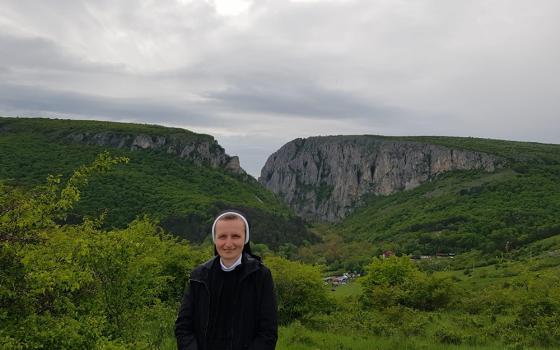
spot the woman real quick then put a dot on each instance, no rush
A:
(230, 303)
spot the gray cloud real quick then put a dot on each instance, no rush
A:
(36, 99)
(34, 53)
(300, 100)
(464, 68)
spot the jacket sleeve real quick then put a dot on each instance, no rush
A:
(184, 327)
(267, 319)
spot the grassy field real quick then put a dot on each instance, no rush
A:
(297, 337)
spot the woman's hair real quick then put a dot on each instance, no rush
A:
(235, 216)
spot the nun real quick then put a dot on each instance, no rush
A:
(230, 301)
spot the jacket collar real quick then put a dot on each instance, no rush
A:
(249, 264)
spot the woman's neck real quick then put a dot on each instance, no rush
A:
(230, 264)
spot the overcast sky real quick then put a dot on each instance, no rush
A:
(257, 74)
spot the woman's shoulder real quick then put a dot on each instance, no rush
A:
(258, 265)
(202, 269)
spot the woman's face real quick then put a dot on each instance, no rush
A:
(230, 239)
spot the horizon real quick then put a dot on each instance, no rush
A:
(257, 175)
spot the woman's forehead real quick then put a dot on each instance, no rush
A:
(235, 224)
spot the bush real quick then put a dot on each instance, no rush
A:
(76, 286)
(299, 287)
(448, 336)
(397, 281)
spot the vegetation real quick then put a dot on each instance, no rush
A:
(84, 268)
(399, 282)
(74, 286)
(300, 289)
(461, 211)
(56, 128)
(77, 286)
(183, 196)
(397, 305)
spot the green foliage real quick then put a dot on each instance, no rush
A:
(397, 281)
(299, 287)
(182, 195)
(339, 256)
(464, 210)
(447, 336)
(58, 128)
(77, 286)
(22, 214)
(460, 211)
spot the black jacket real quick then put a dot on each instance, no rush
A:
(255, 310)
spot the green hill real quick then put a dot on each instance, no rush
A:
(183, 193)
(464, 210)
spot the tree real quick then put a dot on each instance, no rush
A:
(398, 281)
(299, 287)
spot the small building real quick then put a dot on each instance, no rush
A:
(387, 254)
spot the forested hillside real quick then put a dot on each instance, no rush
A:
(463, 210)
(183, 193)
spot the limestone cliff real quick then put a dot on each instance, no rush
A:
(199, 148)
(202, 151)
(323, 178)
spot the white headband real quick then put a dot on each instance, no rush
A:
(230, 213)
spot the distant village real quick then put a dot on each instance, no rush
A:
(389, 253)
(335, 281)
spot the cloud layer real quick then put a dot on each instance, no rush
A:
(257, 74)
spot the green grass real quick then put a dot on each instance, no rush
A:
(297, 337)
(348, 290)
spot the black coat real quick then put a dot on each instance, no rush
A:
(255, 325)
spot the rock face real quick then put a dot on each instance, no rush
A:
(200, 150)
(323, 178)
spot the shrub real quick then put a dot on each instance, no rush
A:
(299, 287)
(448, 336)
(76, 286)
(397, 281)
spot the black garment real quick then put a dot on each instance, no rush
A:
(223, 292)
(254, 313)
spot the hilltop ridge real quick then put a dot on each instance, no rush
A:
(199, 148)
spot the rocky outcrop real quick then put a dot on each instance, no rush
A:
(323, 178)
(200, 149)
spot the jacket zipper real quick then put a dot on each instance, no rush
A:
(208, 308)
(236, 299)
